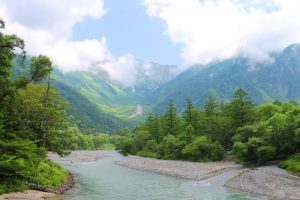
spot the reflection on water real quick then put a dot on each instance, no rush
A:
(104, 180)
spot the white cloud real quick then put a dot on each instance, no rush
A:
(220, 29)
(46, 26)
(122, 69)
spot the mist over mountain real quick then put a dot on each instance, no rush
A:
(99, 101)
(155, 85)
(265, 82)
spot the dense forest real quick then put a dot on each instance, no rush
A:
(33, 121)
(253, 134)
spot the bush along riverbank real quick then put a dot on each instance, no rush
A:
(292, 164)
(46, 177)
(254, 134)
(39, 192)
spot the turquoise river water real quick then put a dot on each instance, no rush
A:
(104, 180)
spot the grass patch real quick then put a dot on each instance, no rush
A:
(292, 164)
(12, 185)
(49, 175)
(46, 173)
(107, 146)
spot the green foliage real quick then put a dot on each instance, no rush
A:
(265, 153)
(201, 149)
(292, 164)
(32, 121)
(126, 145)
(97, 141)
(171, 147)
(171, 137)
(12, 185)
(255, 134)
(48, 174)
(170, 121)
(240, 110)
(221, 78)
(89, 117)
(41, 111)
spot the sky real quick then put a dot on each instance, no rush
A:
(115, 34)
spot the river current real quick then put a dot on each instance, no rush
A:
(104, 180)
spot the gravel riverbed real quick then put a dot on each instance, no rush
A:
(181, 169)
(270, 182)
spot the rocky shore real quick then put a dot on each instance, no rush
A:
(181, 169)
(28, 195)
(79, 156)
(268, 181)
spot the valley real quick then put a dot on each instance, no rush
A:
(150, 99)
(156, 85)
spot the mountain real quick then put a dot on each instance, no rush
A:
(264, 82)
(151, 76)
(97, 101)
(88, 116)
(111, 96)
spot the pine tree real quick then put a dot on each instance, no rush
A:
(191, 116)
(170, 121)
(154, 127)
(241, 109)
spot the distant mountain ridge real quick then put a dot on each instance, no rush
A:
(110, 95)
(98, 101)
(264, 81)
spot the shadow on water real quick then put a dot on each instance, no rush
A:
(102, 179)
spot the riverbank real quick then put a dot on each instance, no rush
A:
(180, 169)
(28, 195)
(268, 181)
(79, 156)
(37, 192)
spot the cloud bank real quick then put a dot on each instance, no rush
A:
(46, 26)
(220, 29)
(206, 30)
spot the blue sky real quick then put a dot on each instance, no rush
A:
(128, 29)
(114, 34)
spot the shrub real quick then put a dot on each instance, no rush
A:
(49, 175)
(292, 164)
(265, 153)
(12, 185)
(201, 149)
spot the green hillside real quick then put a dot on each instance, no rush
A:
(114, 98)
(89, 118)
(85, 113)
(265, 82)
(99, 102)
(109, 97)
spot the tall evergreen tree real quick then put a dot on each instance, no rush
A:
(153, 125)
(191, 116)
(211, 106)
(241, 109)
(170, 121)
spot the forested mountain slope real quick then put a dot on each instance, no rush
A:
(89, 118)
(112, 96)
(100, 102)
(265, 82)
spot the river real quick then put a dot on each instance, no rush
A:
(104, 180)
